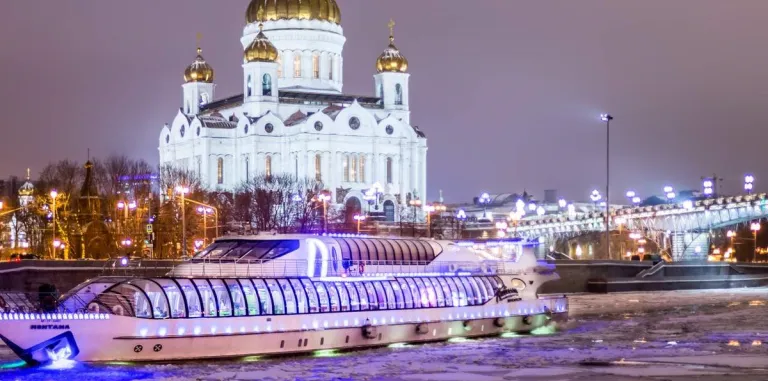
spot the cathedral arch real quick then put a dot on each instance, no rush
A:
(398, 95)
(249, 85)
(266, 85)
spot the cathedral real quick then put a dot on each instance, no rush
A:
(294, 118)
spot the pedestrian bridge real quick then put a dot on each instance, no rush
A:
(686, 225)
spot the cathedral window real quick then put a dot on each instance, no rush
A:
(332, 63)
(345, 168)
(389, 170)
(381, 93)
(266, 85)
(316, 66)
(250, 86)
(268, 166)
(297, 65)
(247, 168)
(361, 170)
(398, 94)
(279, 62)
(353, 169)
(318, 168)
(220, 171)
(203, 99)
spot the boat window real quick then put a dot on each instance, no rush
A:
(404, 249)
(478, 291)
(373, 300)
(357, 244)
(236, 294)
(216, 250)
(414, 292)
(334, 297)
(264, 296)
(438, 291)
(427, 293)
(363, 295)
(373, 251)
(490, 292)
(222, 296)
(282, 248)
(381, 294)
(206, 294)
(471, 298)
(497, 283)
(457, 292)
(322, 294)
(194, 308)
(343, 296)
(126, 300)
(429, 251)
(278, 304)
(309, 289)
(250, 297)
(446, 292)
(383, 253)
(290, 297)
(354, 250)
(249, 250)
(391, 299)
(392, 249)
(175, 298)
(407, 296)
(354, 301)
(301, 296)
(160, 309)
(416, 252)
(346, 252)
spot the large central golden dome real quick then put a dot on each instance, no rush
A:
(271, 10)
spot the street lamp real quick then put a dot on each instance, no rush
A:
(461, 216)
(670, 192)
(749, 183)
(359, 219)
(520, 206)
(595, 196)
(607, 118)
(54, 194)
(484, 200)
(324, 198)
(562, 203)
(205, 211)
(755, 227)
(709, 187)
(532, 207)
(429, 209)
(183, 192)
(540, 211)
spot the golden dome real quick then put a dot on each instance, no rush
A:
(261, 50)
(199, 71)
(391, 60)
(271, 10)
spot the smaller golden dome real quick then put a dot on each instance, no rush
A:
(199, 71)
(261, 49)
(391, 60)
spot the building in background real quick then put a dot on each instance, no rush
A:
(293, 117)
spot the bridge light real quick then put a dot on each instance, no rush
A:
(631, 194)
(636, 200)
(562, 203)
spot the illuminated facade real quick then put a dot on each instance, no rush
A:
(293, 118)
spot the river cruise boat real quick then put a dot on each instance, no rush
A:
(281, 294)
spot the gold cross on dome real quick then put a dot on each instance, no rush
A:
(391, 28)
(198, 38)
(28, 177)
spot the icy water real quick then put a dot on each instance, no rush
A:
(684, 335)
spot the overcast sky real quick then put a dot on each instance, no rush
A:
(508, 91)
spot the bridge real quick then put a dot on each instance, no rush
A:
(683, 229)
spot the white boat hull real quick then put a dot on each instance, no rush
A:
(105, 338)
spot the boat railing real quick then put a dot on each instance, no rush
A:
(345, 268)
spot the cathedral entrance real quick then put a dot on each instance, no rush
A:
(389, 211)
(352, 208)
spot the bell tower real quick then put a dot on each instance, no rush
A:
(198, 84)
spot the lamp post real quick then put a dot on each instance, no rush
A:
(205, 211)
(749, 183)
(359, 218)
(461, 216)
(755, 227)
(607, 118)
(183, 192)
(54, 194)
(324, 198)
(670, 193)
(125, 207)
(484, 200)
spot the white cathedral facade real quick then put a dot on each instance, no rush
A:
(293, 117)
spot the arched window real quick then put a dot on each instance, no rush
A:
(220, 171)
(247, 168)
(361, 170)
(203, 99)
(249, 85)
(188, 108)
(318, 168)
(332, 63)
(268, 166)
(381, 93)
(389, 170)
(398, 94)
(316, 66)
(266, 85)
(279, 62)
(346, 168)
(353, 169)
(297, 64)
